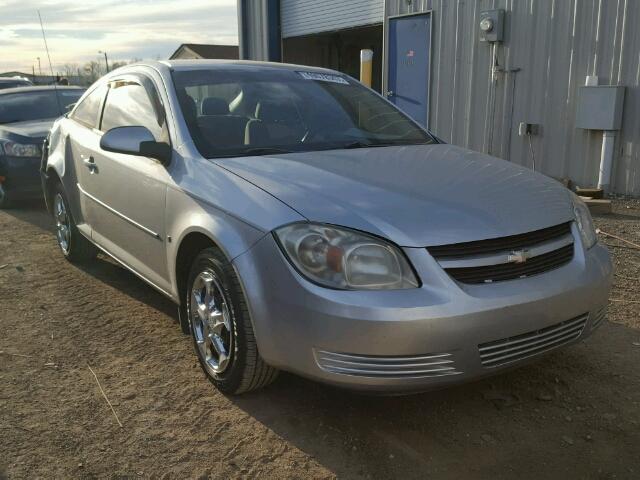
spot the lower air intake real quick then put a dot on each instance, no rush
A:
(417, 366)
(513, 349)
(597, 317)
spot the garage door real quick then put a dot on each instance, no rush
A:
(304, 17)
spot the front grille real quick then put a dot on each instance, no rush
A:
(494, 245)
(509, 271)
(416, 366)
(487, 261)
(513, 349)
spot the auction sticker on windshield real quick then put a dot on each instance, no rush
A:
(323, 77)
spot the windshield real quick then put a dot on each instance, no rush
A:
(239, 111)
(17, 83)
(36, 105)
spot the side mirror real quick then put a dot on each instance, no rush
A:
(135, 141)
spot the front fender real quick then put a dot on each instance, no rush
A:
(186, 214)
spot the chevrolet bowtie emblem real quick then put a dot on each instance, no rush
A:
(518, 256)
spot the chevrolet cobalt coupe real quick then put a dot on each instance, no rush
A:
(301, 222)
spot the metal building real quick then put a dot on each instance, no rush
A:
(514, 86)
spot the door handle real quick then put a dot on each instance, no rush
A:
(90, 163)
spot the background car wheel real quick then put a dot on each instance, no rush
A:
(221, 327)
(75, 247)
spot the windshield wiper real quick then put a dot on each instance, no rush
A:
(359, 144)
(264, 151)
(253, 152)
(356, 144)
(392, 143)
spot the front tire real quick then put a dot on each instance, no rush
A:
(221, 327)
(74, 246)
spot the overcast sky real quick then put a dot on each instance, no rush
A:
(77, 29)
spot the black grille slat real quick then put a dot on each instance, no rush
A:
(508, 271)
(495, 245)
(468, 251)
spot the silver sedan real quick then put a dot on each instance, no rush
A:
(301, 222)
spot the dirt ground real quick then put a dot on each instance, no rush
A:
(574, 414)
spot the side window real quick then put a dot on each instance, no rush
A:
(129, 105)
(88, 110)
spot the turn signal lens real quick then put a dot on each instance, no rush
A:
(584, 222)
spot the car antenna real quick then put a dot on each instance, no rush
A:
(46, 47)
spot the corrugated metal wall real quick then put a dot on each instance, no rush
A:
(303, 17)
(258, 29)
(554, 44)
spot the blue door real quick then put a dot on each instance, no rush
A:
(408, 79)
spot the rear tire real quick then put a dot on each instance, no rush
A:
(74, 246)
(221, 327)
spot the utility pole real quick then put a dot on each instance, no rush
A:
(106, 62)
(39, 67)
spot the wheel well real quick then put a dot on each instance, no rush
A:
(189, 249)
(52, 179)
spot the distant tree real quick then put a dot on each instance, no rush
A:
(70, 70)
(92, 71)
(118, 64)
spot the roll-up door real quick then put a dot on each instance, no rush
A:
(304, 17)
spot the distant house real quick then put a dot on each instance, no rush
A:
(198, 50)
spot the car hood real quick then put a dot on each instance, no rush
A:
(35, 129)
(415, 195)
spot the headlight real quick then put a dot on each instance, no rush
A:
(14, 149)
(585, 223)
(337, 257)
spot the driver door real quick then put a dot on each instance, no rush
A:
(128, 191)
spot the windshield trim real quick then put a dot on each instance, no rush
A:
(52, 92)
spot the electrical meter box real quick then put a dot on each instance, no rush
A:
(491, 25)
(600, 107)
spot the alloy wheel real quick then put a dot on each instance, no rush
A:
(211, 322)
(63, 227)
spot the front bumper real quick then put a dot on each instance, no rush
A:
(418, 339)
(22, 179)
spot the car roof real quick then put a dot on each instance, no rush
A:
(199, 64)
(13, 79)
(39, 88)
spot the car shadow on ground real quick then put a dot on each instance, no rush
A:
(357, 435)
(515, 421)
(104, 269)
